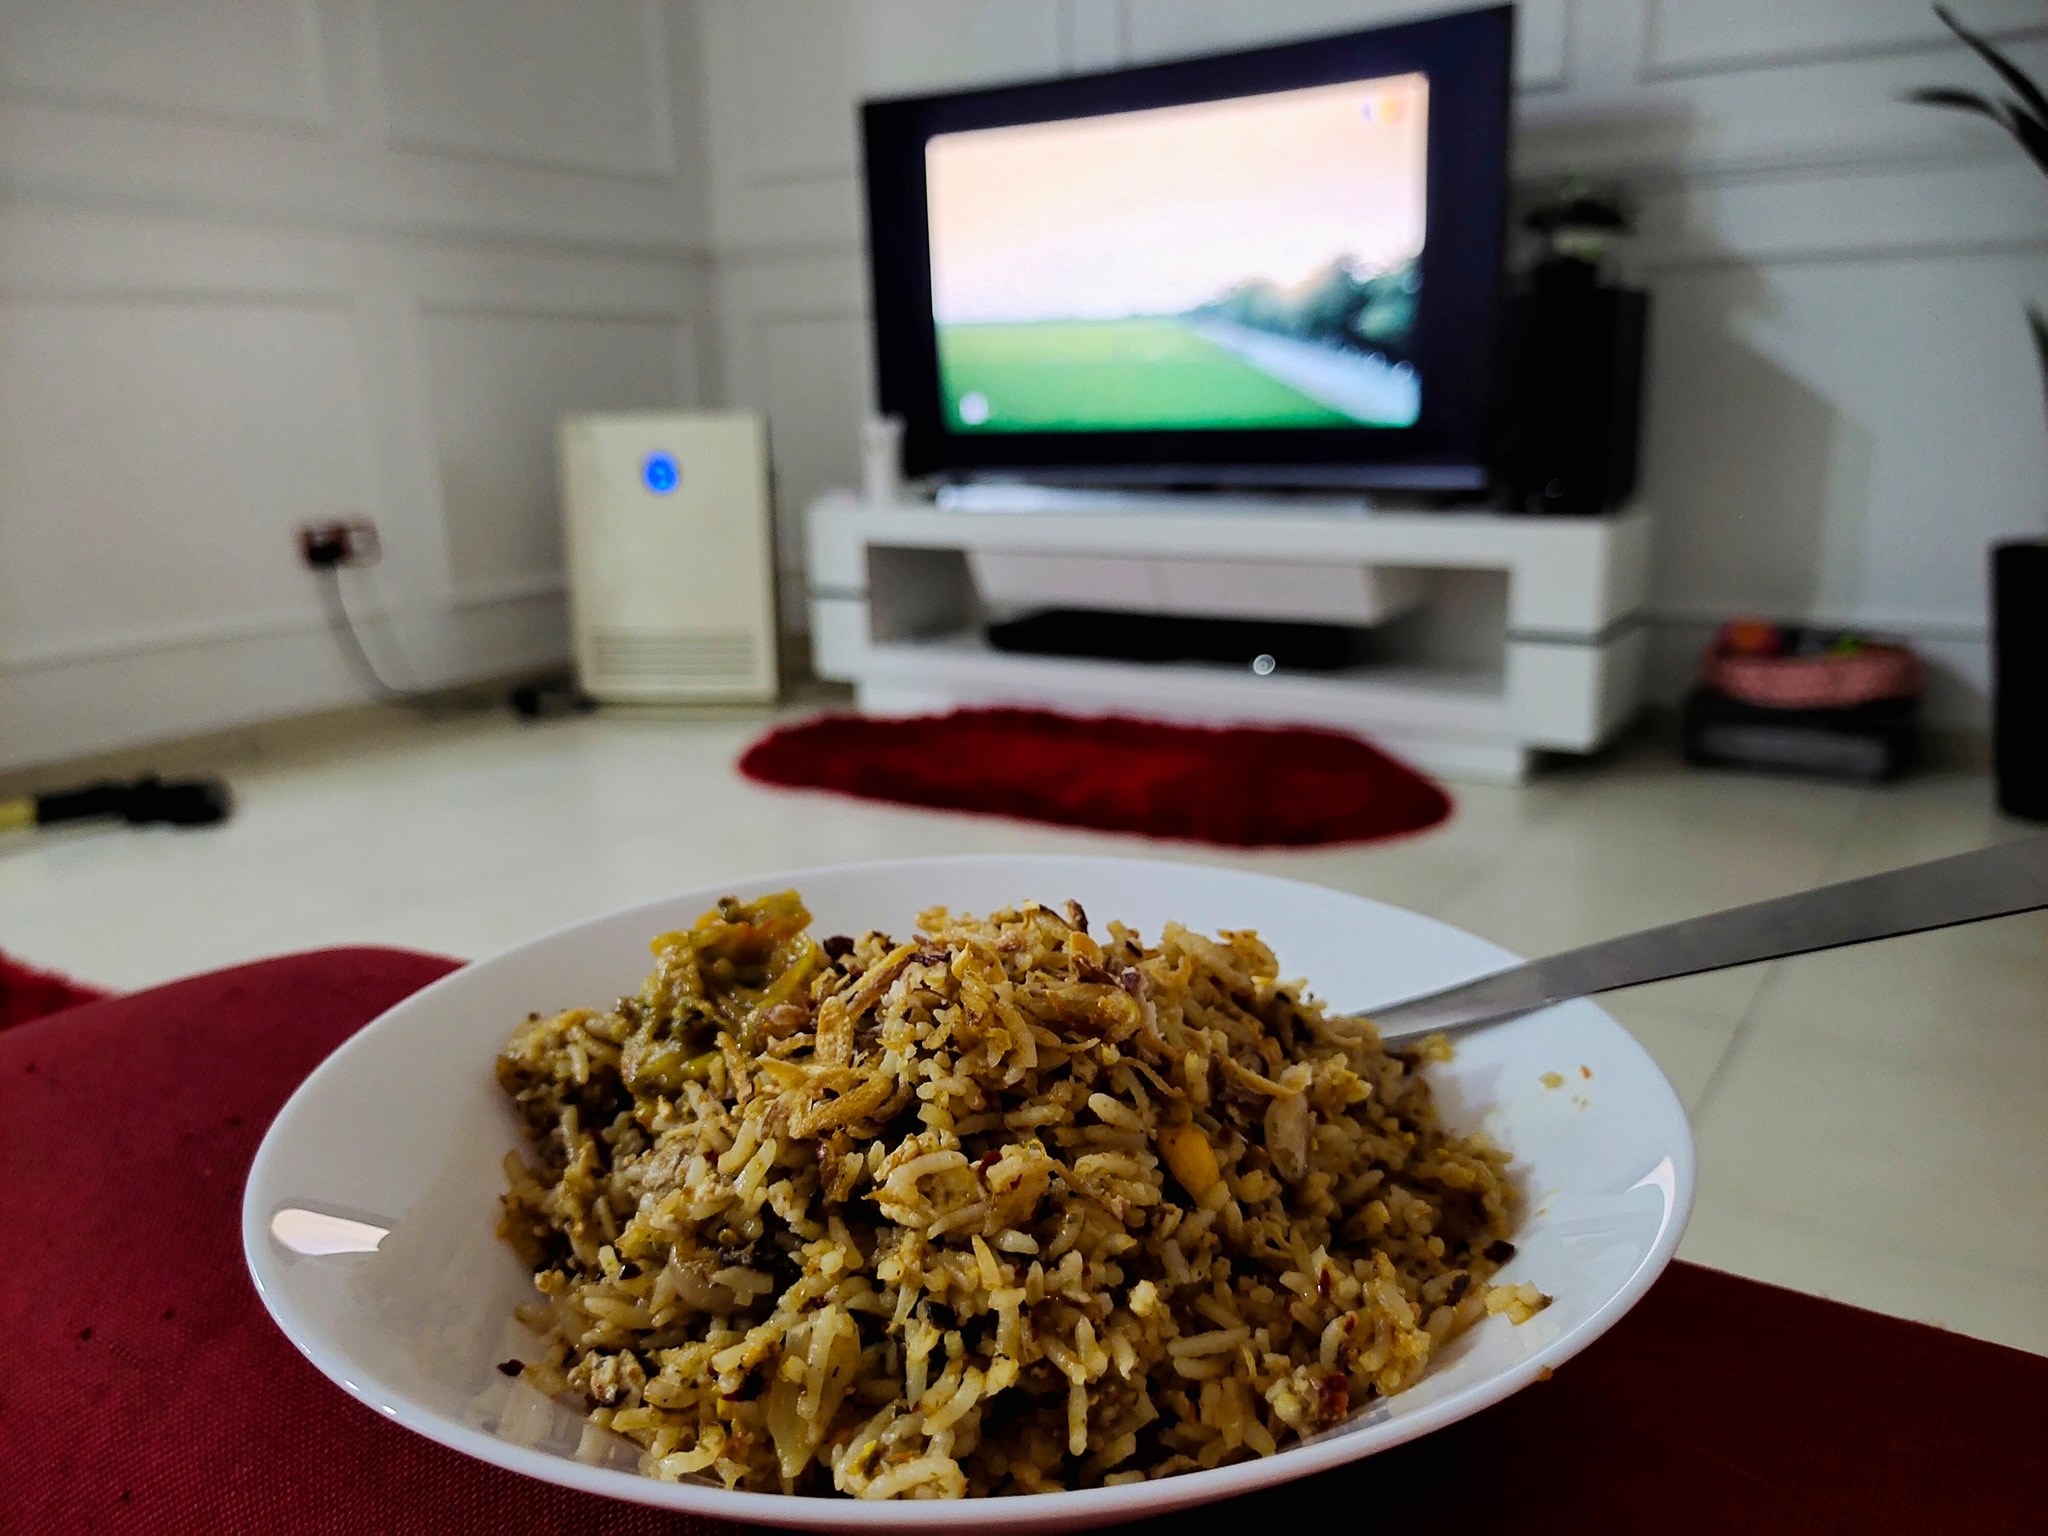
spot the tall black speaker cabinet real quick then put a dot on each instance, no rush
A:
(1571, 406)
(2019, 676)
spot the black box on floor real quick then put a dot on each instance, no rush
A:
(1871, 742)
(1264, 645)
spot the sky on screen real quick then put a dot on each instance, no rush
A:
(1154, 212)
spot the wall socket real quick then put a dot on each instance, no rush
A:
(346, 541)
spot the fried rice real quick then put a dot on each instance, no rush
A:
(1004, 1208)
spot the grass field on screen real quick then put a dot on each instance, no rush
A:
(1108, 376)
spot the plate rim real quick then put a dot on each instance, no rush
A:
(1067, 1509)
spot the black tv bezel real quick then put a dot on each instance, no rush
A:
(1468, 59)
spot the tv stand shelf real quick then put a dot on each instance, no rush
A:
(1521, 633)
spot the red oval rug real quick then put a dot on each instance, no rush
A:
(27, 994)
(1241, 786)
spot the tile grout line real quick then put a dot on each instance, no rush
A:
(1773, 971)
(1459, 889)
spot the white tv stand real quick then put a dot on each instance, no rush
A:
(1496, 636)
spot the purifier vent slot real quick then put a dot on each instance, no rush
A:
(643, 656)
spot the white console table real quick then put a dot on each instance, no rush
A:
(1512, 635)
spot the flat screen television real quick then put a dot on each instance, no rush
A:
(1274, 267)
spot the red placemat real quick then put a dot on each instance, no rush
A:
(1235, 786)
(143, 1388)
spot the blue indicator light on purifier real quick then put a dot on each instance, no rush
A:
(659, 473)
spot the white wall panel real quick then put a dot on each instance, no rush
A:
(1168, 28)
(1989, 204)
(498, 383)
(814, 373)
(1812, 113)
(788, 75)
(56, 154)
(1706, 36)
(268, 261)
(803, 68)
(577, 87)
(1819, 442)
(1092, 35)
(174, 689)
(478, 121)
(156, 454)
(226, 59)
(1543, 44)
(50, 249)
(794, 331)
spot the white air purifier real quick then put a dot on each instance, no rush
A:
(671, 557)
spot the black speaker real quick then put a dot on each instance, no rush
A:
(1571, 406)
(2019, 676)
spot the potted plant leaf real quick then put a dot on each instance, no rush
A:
(1578, 223)
(2019, 568)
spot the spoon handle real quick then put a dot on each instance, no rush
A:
(1992, 882)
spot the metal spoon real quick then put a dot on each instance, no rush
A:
(1993, 882)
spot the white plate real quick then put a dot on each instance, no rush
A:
(404, 1128)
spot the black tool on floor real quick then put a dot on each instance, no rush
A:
(146, 801)
(550, 699)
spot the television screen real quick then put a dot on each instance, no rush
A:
(1280, 265)
(1251, 263)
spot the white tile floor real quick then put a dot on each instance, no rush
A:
(1871, 1123)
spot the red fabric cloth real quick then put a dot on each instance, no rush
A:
(142, 1388)
(1240, 787)
(26, 993)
